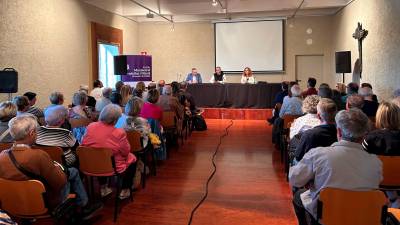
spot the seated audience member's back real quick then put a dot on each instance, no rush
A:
(322, 135)
(292, 105)
(7, 111)
(385, 140)
(32, 108)
(370, 106)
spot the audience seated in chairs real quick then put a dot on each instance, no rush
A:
(7, 111)
(56, 98)
(22, 103)
(103, 134)
(374, 97)
(130, 120)
(355, 102)
(278, 100)
(310, 119)
(32, 108)
(370, 106)
(310, 88)
(385, 140)
(160, 86)
(126, 93)
(79, 111)
(104, 100)
(322, 135)
(97, 91)
(150, 110)
(168, 102)
(351, 89)
(53, 135)
(91, 101)
(139, 89)
(343, 165)
(58, 180)
(292, 105)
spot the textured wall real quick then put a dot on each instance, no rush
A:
(192, 44)
(47, 41)
(381, 51)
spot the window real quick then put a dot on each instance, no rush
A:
(106, 64)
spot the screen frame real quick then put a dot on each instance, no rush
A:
(283, 71)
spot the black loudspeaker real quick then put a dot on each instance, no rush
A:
(120, 67)
(343, 62)
(8, 81)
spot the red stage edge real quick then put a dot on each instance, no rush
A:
(237, 114)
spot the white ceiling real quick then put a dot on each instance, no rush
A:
(202, 10)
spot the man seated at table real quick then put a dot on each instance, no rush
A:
(218, 76)
(194, 77)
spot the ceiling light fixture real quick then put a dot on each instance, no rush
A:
(214, 3)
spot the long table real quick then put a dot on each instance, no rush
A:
(232, 95)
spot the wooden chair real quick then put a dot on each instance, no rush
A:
(391, 172)
(136, 143)
(83, 122)
(5, 146)
(395, 215)
(55, 153)
(24, 199)
(99, 162)
(168, 122)
(344, 207)
(287, 121)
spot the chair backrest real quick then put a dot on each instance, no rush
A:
(96, 161)
(23, 199)
(338, 206)
(5, 146)
(82, 122)
(55, 153)
(135, 140)
(168, 119)
(288, 119)
(391, 171)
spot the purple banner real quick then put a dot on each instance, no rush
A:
(139, 68)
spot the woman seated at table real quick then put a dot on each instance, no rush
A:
(247, 76)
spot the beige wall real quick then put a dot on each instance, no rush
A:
(47, 41)
(192, 45)
(381, 51)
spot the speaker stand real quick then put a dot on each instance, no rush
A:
(343, 78)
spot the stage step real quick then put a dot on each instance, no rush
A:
(237, 114)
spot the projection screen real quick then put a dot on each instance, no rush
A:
(254, 44)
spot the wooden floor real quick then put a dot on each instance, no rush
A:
(248, 188)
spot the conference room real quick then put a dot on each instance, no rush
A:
(199, 112)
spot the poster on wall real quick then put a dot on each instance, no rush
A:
(139, 68)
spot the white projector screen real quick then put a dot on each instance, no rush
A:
(254, 44)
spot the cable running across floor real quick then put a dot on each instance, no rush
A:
(212, 174)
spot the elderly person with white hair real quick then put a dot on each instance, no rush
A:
(103, 134)
(343, 165)
(7, 111)
(53, 135)
(292, 105)
(24, 131)
(310, 119)
(370, 106)
(105, 100)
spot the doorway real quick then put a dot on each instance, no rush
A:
(309, 66)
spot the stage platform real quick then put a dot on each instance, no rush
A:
(237, 114)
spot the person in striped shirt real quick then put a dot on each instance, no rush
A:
(53, 135)
(32, 108)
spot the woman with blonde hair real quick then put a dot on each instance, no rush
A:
(310, 119)
(385, 140)
(247, 76)
(125, 94)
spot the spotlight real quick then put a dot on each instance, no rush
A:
(150, 15)
(214, 3)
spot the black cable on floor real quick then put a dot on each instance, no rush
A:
(212, 174)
